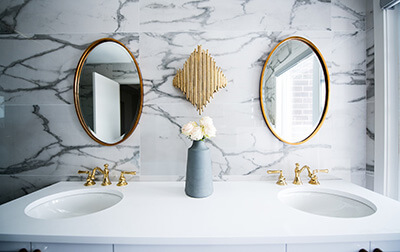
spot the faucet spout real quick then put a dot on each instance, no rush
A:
(105, 172)
(93, 174)
(297, 172)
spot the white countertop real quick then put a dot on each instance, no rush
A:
(243, 212)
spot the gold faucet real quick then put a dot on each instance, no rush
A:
(92, 176)
(89, 180)
(122, 179)
(312, 175)
(314, 178)
(281, 179)
(297, 172)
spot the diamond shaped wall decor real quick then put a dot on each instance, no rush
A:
(200, 78)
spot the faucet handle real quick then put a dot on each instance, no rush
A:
(122, 179)
(314, 178)
(281, 179)
(89, 180)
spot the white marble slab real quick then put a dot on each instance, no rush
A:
(40, 69)
(53, 142)
(258, 15)
(74, 16)
(348, 15)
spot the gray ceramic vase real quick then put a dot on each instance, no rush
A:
(199, 177)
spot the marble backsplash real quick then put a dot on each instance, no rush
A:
(370, 84)
(41, 42)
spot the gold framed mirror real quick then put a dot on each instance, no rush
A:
(294, 90)
(108, 91)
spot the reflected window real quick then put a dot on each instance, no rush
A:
(300, 94)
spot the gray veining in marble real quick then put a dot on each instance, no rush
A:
(68, 17)
(32, 65)
(370, 90)
(41, 42)
(234, 15)
(348, 15)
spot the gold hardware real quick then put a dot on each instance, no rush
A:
(89, 180)
(281, 179)
(312, 175)
(199, 79)
(105, 172)
(92, 176)
(122, 179)
(297, 172)
(314, 178)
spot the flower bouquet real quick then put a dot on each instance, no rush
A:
(199, 132)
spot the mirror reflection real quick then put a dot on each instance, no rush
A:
(294, 90)
(108, 91)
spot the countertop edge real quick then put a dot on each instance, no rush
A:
(198, 240)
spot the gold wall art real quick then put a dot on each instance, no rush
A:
(200, 78)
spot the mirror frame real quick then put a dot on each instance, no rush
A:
(327, 86)
(76, 90)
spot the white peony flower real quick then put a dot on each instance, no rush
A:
(188, 128)
(197, 133)
(206, 121)
(210, 131)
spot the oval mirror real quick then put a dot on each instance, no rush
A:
(108, 91)
(294, 90)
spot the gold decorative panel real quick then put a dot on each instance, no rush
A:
(200, 78)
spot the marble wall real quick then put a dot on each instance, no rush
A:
(41, 42)
(370, 82)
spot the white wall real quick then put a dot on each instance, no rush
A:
(41, 42)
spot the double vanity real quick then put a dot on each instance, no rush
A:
(238, 216)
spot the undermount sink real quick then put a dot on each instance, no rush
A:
(329, 203)
(73, 203)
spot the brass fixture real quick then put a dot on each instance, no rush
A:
(297, 171)
(122, 179)
(312, 175)
(92, 176)
(281, 179)
(200, 78)
(89, 180)
(314, 178)
(105, 172)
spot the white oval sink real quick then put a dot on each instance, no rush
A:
(73, 203)
(329, 203)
